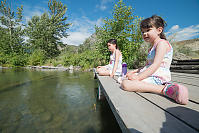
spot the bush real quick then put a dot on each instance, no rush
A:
(18, 60)
(36, 58)
(87, 59)
(3, 58)
(13, 60)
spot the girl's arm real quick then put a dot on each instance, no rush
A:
(161, 49)
(117, 54)
(135, 71)
(132, 73)
(99, 66)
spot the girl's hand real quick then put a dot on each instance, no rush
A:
(111, 75)
(132, 76)
(99, 66)
(131, 72)
(129, 75)
(134, 71)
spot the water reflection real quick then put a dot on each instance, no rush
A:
(52, 101)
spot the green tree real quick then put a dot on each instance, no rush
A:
(45, 31)
(124, 26)
(12, 46)
(39, 34)
(11, 40)
(58, 19)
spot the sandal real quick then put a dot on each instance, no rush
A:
(177, 92)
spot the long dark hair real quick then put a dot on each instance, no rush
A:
(154, 21)
(113, 41)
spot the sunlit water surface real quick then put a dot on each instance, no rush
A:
(52, 101)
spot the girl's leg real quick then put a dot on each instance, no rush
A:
(103, 71)
(141, 86)
(177, 92)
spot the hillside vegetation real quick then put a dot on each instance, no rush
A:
(187, 49)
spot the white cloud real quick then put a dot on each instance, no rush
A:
(75, 38)
(186, 33)
(81, 29)
(102, 6)
(174, 28)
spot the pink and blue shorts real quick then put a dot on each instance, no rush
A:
(154, 80)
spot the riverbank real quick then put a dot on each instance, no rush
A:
(59, 68)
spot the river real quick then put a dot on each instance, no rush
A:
(52, 102)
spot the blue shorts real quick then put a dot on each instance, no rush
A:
(154, 80)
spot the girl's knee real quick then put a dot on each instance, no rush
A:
(98, 70)
(129, 85)
(104, 73)
(125, 85)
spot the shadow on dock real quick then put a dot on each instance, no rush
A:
(189, 115)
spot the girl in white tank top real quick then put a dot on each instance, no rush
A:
(115, 65)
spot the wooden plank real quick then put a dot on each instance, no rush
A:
(191, 79)
(139, 114)
(185, 67)
(185, 74)
(187, 113)
(192, 60)
(186, 71)
(185, 63)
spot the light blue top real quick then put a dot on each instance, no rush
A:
(163, 72)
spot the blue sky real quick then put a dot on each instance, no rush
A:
(181, 15)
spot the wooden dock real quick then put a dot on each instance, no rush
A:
(152, 113)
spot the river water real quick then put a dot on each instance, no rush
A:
(52, 102)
